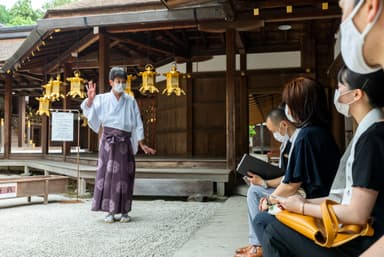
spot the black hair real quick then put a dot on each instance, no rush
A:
(277, 115)
(372, 84)
(117, 72)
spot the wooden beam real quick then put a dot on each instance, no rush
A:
(240, 43)
(21, 123)
(151, 46)
(272, 4)
(144, 20)
(78, 47)
(182, 3)
(150, 27)
(243, 108)
(239, 25)
(7, 116)
(231, 99)
(259, 48)
(176, 40)
(189, 110)
(66, 103)
(299, 14)
(308, 50)
(103, 84)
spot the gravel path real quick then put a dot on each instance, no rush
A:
(158, 228)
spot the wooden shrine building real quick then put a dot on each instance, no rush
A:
(237, 56)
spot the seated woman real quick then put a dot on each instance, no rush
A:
(314, 156)
(361, 96)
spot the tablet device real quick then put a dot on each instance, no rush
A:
(259, 167)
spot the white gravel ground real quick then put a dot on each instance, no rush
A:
(158, 228)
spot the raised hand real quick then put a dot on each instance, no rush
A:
(91, 92)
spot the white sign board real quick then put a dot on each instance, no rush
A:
(62, 126)
(8, 190)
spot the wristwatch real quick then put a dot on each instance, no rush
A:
(264, 184)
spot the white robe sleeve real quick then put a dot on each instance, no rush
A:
(137, 133)
(91, 114)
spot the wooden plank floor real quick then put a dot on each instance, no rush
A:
(185, 175)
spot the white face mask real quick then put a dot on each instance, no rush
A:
(352, 42)
(119, 88)
(342, 108)
(279, 137)
(288, 115)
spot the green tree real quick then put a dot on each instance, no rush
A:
(22, 13)
(55, 3)
(4, 15)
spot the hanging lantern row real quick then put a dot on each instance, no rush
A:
(77, 86)
(53, 89)
(56, 89)
(53, 92)
(128, 88)
(44, 106)
(149, 80)
(172, 81)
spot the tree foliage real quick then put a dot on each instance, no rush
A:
(4, 15)
(55, 3)
(22, 13)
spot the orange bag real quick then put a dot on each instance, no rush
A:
(327, 232)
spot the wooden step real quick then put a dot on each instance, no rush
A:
(88, 172)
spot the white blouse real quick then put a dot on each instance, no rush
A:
(123, 114)
(372, 117)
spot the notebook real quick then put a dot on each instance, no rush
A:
(264, 169)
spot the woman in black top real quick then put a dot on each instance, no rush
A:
(314, 157)
(359, 96)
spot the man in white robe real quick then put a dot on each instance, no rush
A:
(119, 116)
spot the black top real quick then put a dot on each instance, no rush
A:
(368, 169)
(314, 161)
(284, 155)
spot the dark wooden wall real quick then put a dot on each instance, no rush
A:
(209, 117)
(171, 123)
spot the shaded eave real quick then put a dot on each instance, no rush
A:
(134, 20)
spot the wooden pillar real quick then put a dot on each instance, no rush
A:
(7, 115)
(308, 51)
(66, 104)
(102, 84)
(44, 134)
(244, 112)
(21, 109)
(230, 99)
(189, 110)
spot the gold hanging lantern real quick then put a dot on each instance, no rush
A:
(56, 89)
(44, 104)
(173, 82)
(47, 89)
(149, 78)
(84, 120)
(77, 85)
(128, 88)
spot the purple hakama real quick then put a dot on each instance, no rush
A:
(115, 173)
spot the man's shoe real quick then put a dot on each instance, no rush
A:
(125, 218)
(244, 249)
(109, 218)
(255, 251)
